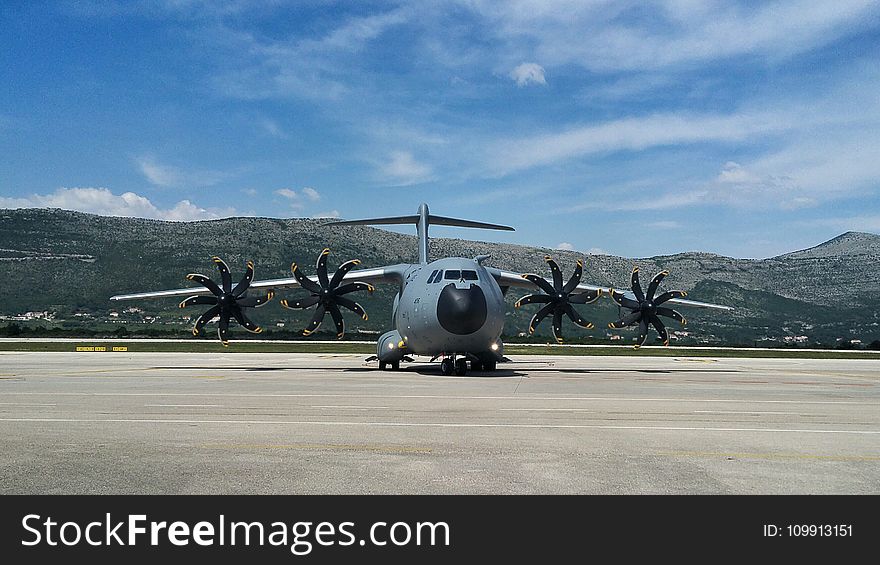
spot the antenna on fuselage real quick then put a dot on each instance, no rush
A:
(422, 220)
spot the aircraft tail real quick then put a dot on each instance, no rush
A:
(422, 220)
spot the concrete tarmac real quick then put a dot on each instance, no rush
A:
(237, 423)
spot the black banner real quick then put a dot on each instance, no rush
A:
(433, 529)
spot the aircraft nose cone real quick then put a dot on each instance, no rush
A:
(462, 311)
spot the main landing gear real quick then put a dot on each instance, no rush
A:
(450, 365)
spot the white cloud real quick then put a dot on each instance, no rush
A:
(600, 36)
(330, 214)
(631, 134)
(103, 202)
(272, 128)
(566, 246)
(249, 191)
(403, 169)
(287, 193)
(528, 73)
(311, 194)
(168, 176)
(664, 225)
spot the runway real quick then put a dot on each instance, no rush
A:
(167, 423)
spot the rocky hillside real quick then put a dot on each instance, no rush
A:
(71, 263)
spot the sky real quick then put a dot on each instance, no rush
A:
(631, 128)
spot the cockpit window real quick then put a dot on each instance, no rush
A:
(431, 278)
(452, 275)
(469, 275)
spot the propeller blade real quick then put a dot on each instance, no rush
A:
(655, 282)
(585, 297)
(643, 333)
(223, 328)
(337, 320)
(342, 271)
(305, 281)
(205, 282)
(557, 325)
(670, 313)
(557, 274)
(245, 282)
(541, 283)
(636, 287)
(540, 315)
(661, 329)
(353, 306)
(193, 300)
(532, 299)
(321, 268)
(669, 296)
(353, 287)
(245, 322)
(627, 320)
(623, 301)
(225, 277)
(315, 323)
(576, 318)
(254, 301)
(301, 302)
(206, 317)
(575, 277)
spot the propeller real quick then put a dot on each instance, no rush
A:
(558, 298)
(226, 301)
(327, 294)
(646, 309)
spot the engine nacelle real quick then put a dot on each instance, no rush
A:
(388, 348)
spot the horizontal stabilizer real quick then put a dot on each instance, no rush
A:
(414, 220)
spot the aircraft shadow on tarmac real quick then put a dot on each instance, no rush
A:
(434, 370)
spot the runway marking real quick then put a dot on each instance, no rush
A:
(438, 396)
(183, 406)
(431, 425)
(24, 404)
(751, 412)
(772, 456)
(324, 447)
(545, 410)
(352, 407)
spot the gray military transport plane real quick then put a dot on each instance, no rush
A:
(450, 308)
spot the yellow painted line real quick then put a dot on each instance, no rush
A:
(781, 456)
(322, 447)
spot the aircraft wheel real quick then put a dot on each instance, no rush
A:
(382, 365)
(395, 365)
(461, 367)
(489, 366)
(476, 366)
(446, 367)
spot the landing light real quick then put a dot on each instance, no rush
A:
(494, 347)
(390, 346)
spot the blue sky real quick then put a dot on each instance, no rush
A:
(603, 126)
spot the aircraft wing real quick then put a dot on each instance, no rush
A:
(379, 275)
(509, 278)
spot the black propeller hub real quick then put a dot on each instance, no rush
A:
(327, 294)
(226, 302)
(558, 298)
(644, 309)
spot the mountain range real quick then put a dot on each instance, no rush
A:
(69, 263)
